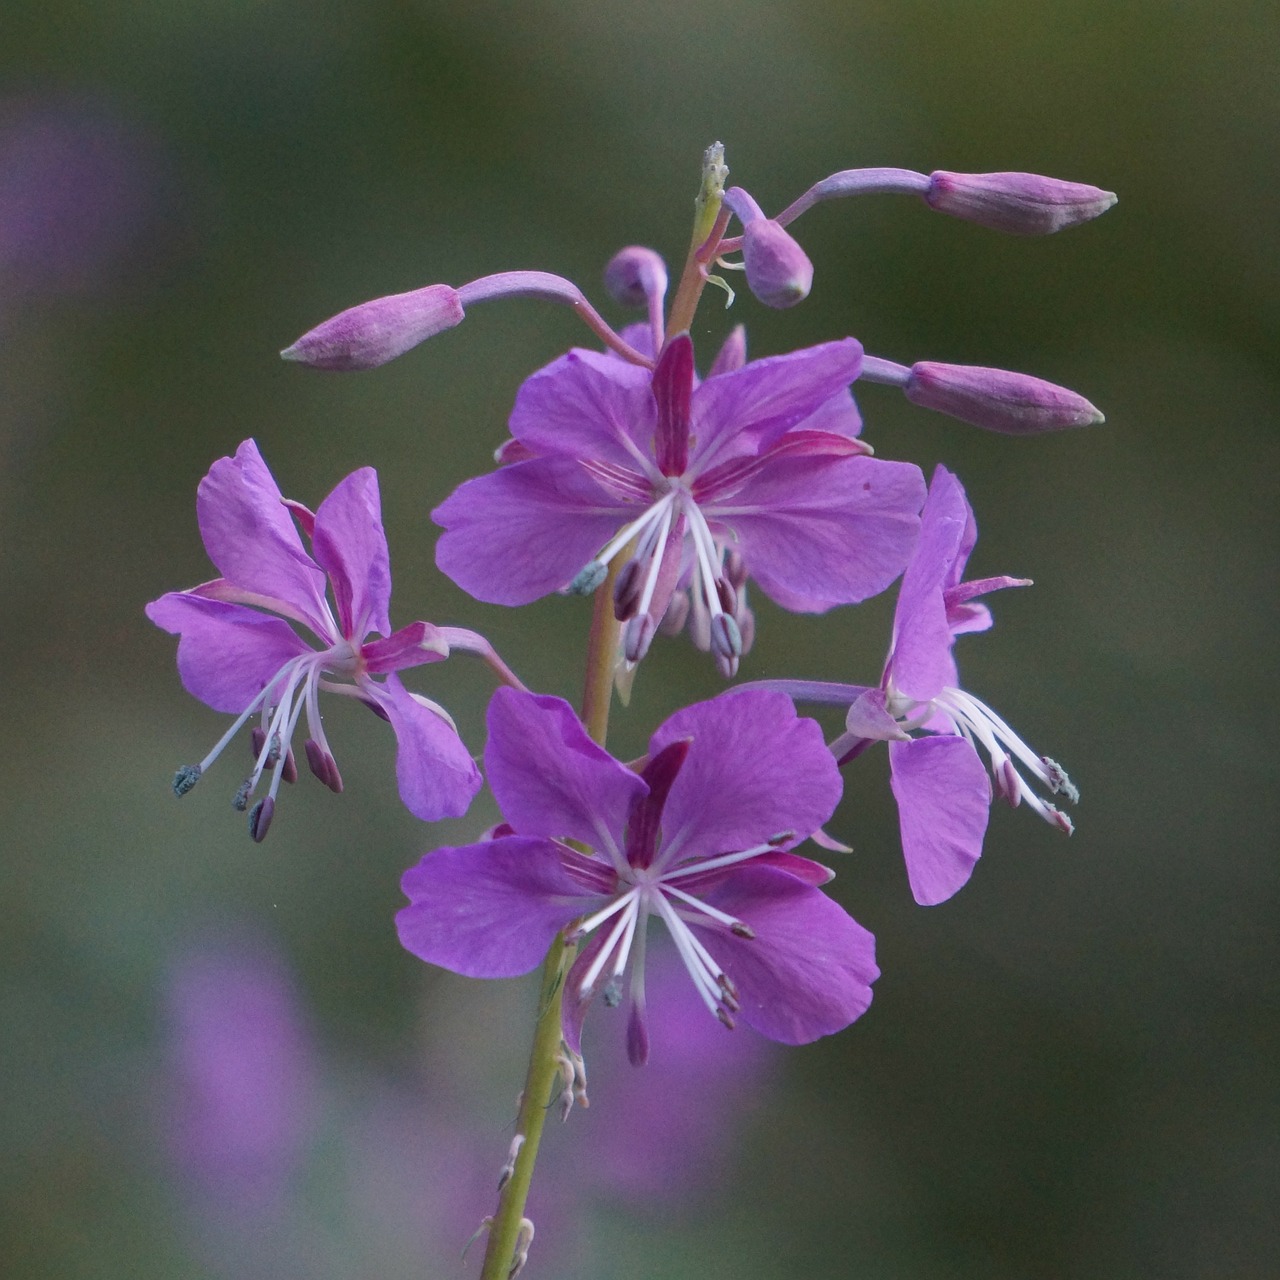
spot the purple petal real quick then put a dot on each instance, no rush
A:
(868, 717)
(921, 660)
(944, 800)
(490, 910)
(351, 547)
(252, 539)
(549, 778)
(839, 415)
(817, 532)
(434, 770)
(808, 971)
(738, 412)
(227, 654)
(755, 769)
(587, 405)
(525, 531)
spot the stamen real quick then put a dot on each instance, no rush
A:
(185, 779)
(589, 577)
(260, 818)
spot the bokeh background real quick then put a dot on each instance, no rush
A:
(216, 1060)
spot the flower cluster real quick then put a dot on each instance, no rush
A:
(628, 474)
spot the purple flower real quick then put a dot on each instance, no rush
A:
(938, 779)
(235, 658)
(698, 839)
(762, 460)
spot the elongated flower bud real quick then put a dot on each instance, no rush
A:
(1014, 404)
(635, 275)
(779, 272)
(1024, 204)
(368, 335)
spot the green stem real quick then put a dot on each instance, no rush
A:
(504, 1230)
(706, 220)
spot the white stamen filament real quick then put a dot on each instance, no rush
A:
(704, 974)
(714, 912)
(648, 520)
(624, 927)
(710, 864)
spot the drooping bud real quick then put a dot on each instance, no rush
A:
(369, 335)
(635, 275)
(1014, 404)
(779, 272)
(1024, 204)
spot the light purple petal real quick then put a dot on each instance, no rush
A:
(351, 547)
(587, 405)
(838, 415)
(252, 539)
(525, 531)
(819, 532)
(755, 769)
(227, 654)
(549, 778)
(434, 770)
(808, 971)
(921, 661)
(490, 910)
(944, 800)
(739, 412)
(868, 717)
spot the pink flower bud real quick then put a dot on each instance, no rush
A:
(779, 272)
(372, 333)
(1015, 404)
(634, 275)
(1022, 203)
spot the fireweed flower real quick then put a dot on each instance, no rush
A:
(235, 658)
(934, 728)
(699, 839)
(608, 459)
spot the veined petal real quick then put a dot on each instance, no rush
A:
(525, 531)
(755, 769)
(587, 405)
(742, 411)
(411, 646)
(944, 801)
(549, 778)
(351, 547)
(252, 539)
(808, 970)
(490, 910)
(227, 653)
(434, 770)
(818, 532)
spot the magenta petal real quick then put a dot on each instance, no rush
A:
(434, 770)
(525, 531)
(808, 971)
(755, 769)
(549, 778)
(822, 532)
(227, 654)
(411, 646)
(351, 547)
(252, 539)
(747, 409)
(944, 800)
(586, 405)
(490, 910)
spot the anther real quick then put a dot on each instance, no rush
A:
(612, 993)
(627, 589)
(728, 596)
(1059, 783)
(323, 765)
(260, 818)
(1059, 819)
(638, 636)
(740, 930)
(1009, 783)
(735, 568)
(725, 1019)
(185, 779)
(240, 801)
(589, 577)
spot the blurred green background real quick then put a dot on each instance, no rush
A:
(1069, 1070)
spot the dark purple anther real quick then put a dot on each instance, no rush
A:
(260, 818)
